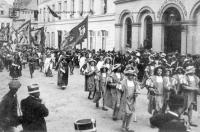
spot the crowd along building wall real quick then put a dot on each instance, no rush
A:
(163, 25)
(101, 27)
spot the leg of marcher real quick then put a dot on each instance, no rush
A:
(190, 116)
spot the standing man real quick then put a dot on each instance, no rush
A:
(170, 121)
(34, 111)
(8, 108)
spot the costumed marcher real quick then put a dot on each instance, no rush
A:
(108, 64)
(171, 121)
(90, 73)
(148, 72)
(115, 80)
(9, 118)
(155, 91)
(168, 87)
(129, 87)
(102, 86)
(48, 66)
(63, 72)
(180, 77)
(190, 89)
(16, 67)
(34, 111)
(100, 62)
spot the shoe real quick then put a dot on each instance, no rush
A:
(193, 125)
(104, 109)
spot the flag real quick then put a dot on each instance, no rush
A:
(38, 37)
(53, 13)
(77, 34)
(23, 34)
(4, 34)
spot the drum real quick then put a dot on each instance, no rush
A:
(85, 125)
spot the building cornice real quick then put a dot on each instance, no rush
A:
(122, 1)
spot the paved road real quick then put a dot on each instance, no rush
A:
(68, 105)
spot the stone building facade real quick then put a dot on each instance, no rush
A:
(25, 10)
(101, 34)
(4, 14)
(163, 25)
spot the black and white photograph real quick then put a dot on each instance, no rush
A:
(99, 65)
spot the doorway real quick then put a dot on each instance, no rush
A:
(172, 30)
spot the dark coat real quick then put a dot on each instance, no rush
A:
(8, 111)
(33, 115)
(168, 123)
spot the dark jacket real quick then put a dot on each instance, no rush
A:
(33, 115)
(168, 123)
(8, 111)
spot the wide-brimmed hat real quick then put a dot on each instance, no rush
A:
(116, 66)
(130, 72)
(14, 84)
(92, 60)
(190, 69)
(179, 68)
(107, 58)
(34, 88)
(162, 55)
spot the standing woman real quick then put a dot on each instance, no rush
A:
(63, 72)
(130, 88)
(90, 74)
(155, 91)
(16, 67)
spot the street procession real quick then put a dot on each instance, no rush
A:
(99, 66)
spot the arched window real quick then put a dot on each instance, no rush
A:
(104, 35)
(148, 32)
(48, 40)
(92, 39)
(128, 30)
(52, 39)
